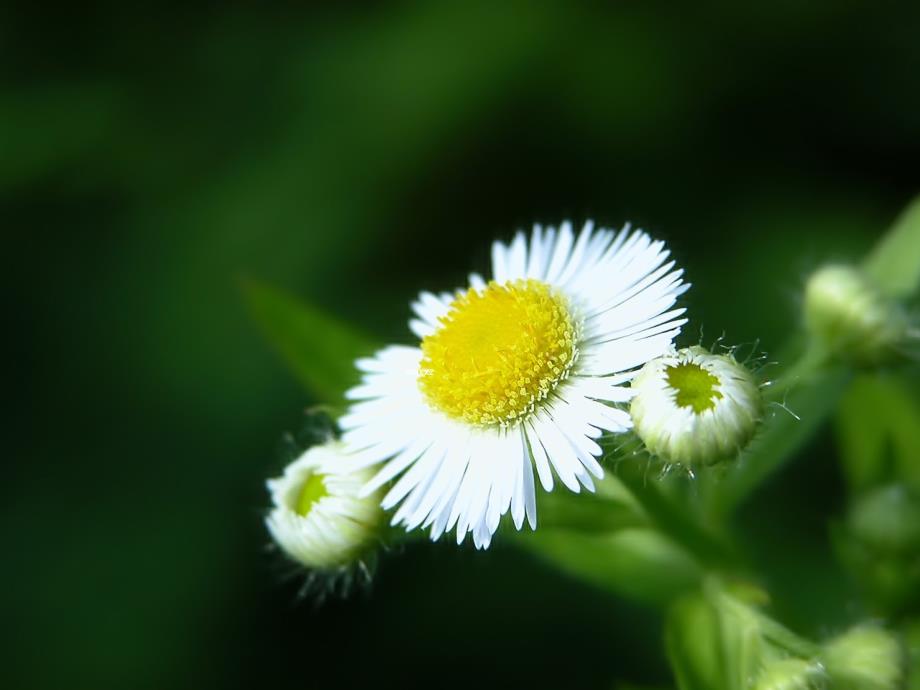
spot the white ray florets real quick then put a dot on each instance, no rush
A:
(317, 517)
(523, 372)
(693, 407)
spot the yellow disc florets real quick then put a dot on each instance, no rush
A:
(498, 352)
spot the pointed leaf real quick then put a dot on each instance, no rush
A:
(319, 349)
(638, 563)
(878, 432)
(895, 262)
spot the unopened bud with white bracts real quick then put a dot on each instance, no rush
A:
(851, 317)
(317, 517)
(864, 658)
(693, 407)
(792, 674)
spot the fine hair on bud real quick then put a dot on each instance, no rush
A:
(321, 520)
(693, 407)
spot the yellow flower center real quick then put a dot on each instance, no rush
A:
(498, 352)
(695, 387)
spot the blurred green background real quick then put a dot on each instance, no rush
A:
(151, 158)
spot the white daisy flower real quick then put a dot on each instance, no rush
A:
(692, 407)
(519, 372)
(318, 518)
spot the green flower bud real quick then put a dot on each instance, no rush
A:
(887, 520)
(880, 544)
(319, 517)
(851, 317)
(864, 658)
(693, 407)
(792, 674)
(721, 638)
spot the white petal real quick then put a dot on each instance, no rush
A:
(395, 466)
(560, 253)
(517, 496)
(421, 471)
(560, 453)
(517, 258)
(499, 262)
(536, 259)
(575, 262)
(538, 453)
(447, 477)
(430, 308)
(530, 495)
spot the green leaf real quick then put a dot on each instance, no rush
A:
(610, 509)
(743, 648)
(719, 638)
(810, 388)
(671, 505)
(811, 398)
(693, 643)
(319, 349)
(637, 562)
(609, 539)
(911, 632)
(878, 432)
(894, 264)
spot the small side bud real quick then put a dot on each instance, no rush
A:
(880, 544)
(693, 407)
(722, 638)
(317, 516)
(792, 674)
(864, 658)
(887, 520)
(851, 317)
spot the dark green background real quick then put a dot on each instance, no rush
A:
(150, 158)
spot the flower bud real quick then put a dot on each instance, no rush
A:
(864, 658)
(880, 544)
(693, 407)
(721, 638)
(317, 517)
(887, 520)
(850, 316)
(792, 674)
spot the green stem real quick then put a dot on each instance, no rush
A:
(802, 371)
(799, 400)
(681, 525)
(770, 629)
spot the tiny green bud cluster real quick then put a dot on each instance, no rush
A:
(693, 407)
(851, 317)
(722, 637)
(792, 674)
(865, 658)
(887, 519)
(880, 544)
(319, 517)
